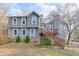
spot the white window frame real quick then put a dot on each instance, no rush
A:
(22, 32)
(34, 33)
(13, 21)
(13, 32)
(34, 20)
(23, 19)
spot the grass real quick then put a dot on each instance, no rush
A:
(63, 53)
(26, 49)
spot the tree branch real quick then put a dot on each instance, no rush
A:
(74, 28)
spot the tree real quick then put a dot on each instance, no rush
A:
(27, 39)
(3, 12)
(3, 22)
(18, 39)
(75, 35)
(69, 17)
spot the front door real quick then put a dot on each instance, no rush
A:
(32, 33)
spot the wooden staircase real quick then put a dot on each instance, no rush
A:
(57, 41)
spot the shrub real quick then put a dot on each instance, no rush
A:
(27, 39)
(45, 40)
(18, 39)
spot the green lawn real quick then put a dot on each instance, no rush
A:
(23, 49)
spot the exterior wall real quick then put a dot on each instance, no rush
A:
(53, 25)
(18, 22)
(36, 32)
(62, 32)
(50, 25)
(29, 19)
(10, 32)
(27, 26)
(56, 25)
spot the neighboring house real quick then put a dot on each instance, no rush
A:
(24, 25)
(63, 32)
(50, 24)
(55, 24)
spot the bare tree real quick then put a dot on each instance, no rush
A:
(3, 13)
(69, 17)
(3, 22)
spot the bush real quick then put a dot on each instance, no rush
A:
(27, 39)
(45, 40)
(18, 39)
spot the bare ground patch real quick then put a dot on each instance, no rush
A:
(26, 49)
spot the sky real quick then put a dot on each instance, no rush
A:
(40, 8)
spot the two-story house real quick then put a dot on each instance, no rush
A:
(30, 25)
(55, 24)
(24, 25)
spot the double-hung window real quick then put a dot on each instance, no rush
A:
(15, 32)
(23, 21)
(32, 32)
(23, 32)
(14, 21)
(34, 20)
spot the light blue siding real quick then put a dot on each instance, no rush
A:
(27, 26)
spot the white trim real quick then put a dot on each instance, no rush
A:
(23, 19)
(34, 20)
(32, 35)
(22, 32)
(60, 29)
(13, 32)
(13, 21)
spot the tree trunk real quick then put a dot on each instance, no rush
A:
(68, 38)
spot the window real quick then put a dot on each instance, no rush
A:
(14, 21)
(34, 20)
(15, 32)
(49, 26)
(23, 32)
(32, 32)
(23, 21)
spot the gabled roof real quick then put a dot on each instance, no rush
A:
(46, 21)
(34, 13)
(49, 20)
(27, 14)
